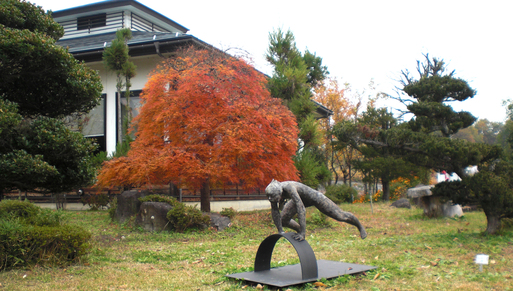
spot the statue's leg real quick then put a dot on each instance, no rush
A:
(332, 210)
(288, 212)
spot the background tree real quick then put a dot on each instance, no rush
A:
(117, 59)
(425, 143)
(481, 131)
(41, 82)
(378, 161)
(293, 78)
(207, 120)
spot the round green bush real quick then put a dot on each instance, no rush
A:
(30, 235)
(183, 217)
(228, 212)
(160, 198)
(340, 193)
(18, 208)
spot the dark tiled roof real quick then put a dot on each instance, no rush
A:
(81, 44)
(90, 48)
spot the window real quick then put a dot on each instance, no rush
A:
(135, 106)
(91, 125)
(92, 21)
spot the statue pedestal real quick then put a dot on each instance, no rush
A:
(308, 270)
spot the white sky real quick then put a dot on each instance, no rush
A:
(363, 40)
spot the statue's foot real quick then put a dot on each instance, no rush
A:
(363, 233)
(298, 237)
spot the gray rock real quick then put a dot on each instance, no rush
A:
(402, 203)
(218, 221)
(152, 216)
(129, 204)
(451, 210)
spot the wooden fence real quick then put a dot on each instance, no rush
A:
(184, 194)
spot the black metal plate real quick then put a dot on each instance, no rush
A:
(291, 275)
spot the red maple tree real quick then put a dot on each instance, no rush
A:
(208, 120)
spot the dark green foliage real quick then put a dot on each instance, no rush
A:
(429, 95)
(117, 59)
(41, 81)
(457, 191)
(96, 201)
(17, 208)
(293, 78)
(376, 131)
(25, 245)
(228, 212)
(123, 147)
(312, 171)
(491, 188)
(69, 152)
(316, 71)
(183, 217)
(160, 198)
(425, 141)
(29, 213)
(320, 219)
(341, 193)
(24, 15)
(30, 235)
(113, 208)
(43, 78)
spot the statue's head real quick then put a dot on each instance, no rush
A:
(274, 191)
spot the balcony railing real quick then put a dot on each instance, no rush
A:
(106, 22)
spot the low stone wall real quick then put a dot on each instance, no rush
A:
(215, 206)
(239, 205)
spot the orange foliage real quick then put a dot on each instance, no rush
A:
(207, 118)
(365, 198)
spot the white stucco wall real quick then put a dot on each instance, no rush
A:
(145, 65)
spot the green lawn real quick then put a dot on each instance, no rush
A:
(409, 251)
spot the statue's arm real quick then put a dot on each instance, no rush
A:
(300, 208)
(275, 212)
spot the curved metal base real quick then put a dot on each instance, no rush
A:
(308, 270)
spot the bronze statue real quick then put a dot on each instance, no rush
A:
(300, 196)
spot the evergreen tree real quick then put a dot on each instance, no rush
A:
(117, 59)
(41, 82)
(424, 142)
(293, 78)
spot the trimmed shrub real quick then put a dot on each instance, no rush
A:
(160, 198)
(340, 193)
(228, 212)
(96, 201)
(30, 235)
(26, 245)
(320, 219)
(18, 208)
(46, 217)
(183, 217)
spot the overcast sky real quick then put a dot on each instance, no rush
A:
(363, 40)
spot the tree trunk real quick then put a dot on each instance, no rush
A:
(1, 194)
(386, 189)
(119, 134)
(205, 197)
(173, 190)
(494, 223)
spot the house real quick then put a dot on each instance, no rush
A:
(90, 28)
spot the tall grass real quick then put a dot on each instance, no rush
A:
(409, 251)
